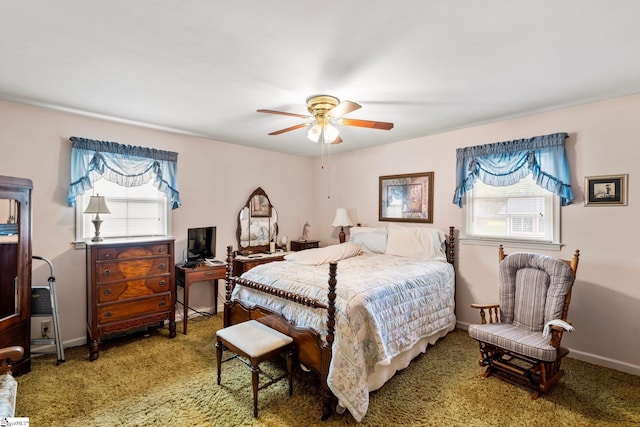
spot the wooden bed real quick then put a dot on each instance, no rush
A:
(311, 350)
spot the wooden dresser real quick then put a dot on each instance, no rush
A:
(130, 284)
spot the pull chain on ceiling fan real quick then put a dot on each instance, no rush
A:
(327, 110)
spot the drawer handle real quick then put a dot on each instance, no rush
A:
(162, 266)
(209, 273)
(161, 250)
(108, 314)
(162, 283)
(107, 255)
(162, 303)
(107, 273)
(108, 291)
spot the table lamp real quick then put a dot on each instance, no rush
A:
(342, 220)
(97, 206)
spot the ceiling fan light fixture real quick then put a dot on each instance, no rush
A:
(327, 109)
(327, 132)
(314, 132)
(330, 134)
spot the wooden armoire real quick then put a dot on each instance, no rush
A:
(15, 267)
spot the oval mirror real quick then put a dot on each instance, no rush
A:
(257, 224)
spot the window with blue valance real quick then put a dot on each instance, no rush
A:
(505, 163)
(125, 165)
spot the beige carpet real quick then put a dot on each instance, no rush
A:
(156, 381)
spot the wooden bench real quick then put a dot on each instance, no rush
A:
(255, 342)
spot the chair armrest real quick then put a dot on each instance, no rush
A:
(8, 355)
(493, 309)
(556, 328)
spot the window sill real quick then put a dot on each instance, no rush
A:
(512, 243)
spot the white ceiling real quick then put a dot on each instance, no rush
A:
(203, 67)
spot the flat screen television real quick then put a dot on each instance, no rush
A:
(201, 243)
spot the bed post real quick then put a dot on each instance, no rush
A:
(327, 395)
(451, 246)
(228, 288)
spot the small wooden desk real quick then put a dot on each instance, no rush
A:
(185, 277)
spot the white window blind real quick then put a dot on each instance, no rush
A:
(135, 212)
(520, 212)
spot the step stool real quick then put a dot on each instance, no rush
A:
(44, 303)
(256, 342)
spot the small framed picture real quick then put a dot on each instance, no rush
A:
(605, 190)
(260, 206)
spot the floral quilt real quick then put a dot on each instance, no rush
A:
(385, 304)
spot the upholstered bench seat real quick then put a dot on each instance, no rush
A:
(257, 342)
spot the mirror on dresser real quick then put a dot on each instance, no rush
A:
(257, 224)
(9, 236)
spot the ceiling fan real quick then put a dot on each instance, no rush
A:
(327, 110)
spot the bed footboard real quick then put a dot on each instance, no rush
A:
(310, 349)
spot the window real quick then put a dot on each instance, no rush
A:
(140, 211)
(522, 212)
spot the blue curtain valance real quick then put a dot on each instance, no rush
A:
(505, 163)
(125, 165)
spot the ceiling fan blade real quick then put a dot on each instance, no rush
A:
(342, 109)
(283, 113)
(366, 124)
(300, 126)
(338, 140)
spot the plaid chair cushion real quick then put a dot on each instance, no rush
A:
(532, 289)
(516, 339)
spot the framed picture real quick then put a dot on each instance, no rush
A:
(605, 190)
(406, 198)
(260, 206)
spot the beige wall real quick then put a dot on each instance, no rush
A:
(215, 181)
(604, 139)
(216, 178)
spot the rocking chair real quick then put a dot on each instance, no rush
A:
(520, 338)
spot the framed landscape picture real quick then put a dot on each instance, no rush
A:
(406, 198)
(605, 190)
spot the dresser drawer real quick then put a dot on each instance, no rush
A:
(205, 275)
(114, 253)
(130, 309)
(119, 291)
(131, 269)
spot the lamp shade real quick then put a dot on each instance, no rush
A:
(328, 133)
(97, 205)
(342, 218)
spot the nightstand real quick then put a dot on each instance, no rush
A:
(300, 245)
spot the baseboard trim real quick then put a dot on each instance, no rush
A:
(595, 359)
(80, 341)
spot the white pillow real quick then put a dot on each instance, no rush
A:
(318, 256)
(370, 240)
(415, 242)
(358, 230)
